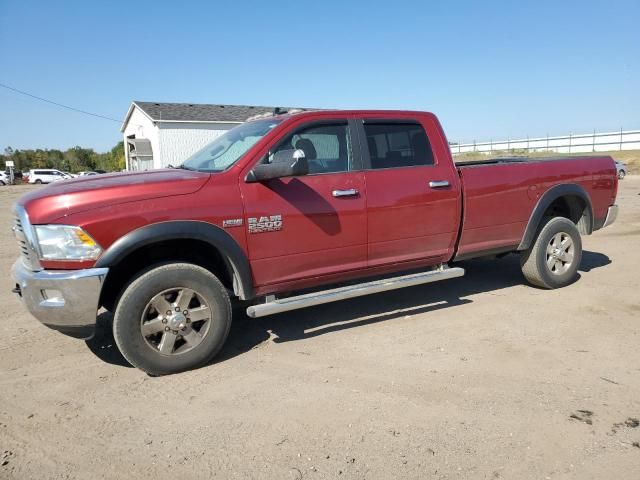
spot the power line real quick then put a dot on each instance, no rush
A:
(59, 104)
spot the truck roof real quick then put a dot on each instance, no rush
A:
(312, 113)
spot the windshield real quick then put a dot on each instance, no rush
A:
(227, 149)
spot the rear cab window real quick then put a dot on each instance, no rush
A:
(396, 144)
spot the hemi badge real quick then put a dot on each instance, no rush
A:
(233, 222)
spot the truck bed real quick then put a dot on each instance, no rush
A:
(518, 159)
(490, 161)
(500, 194)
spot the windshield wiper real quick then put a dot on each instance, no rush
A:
(182, 167)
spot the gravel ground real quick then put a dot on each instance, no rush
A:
(477, 377)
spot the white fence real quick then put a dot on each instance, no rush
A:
(591, 142)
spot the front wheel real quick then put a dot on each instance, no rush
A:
(621, 174)
(553, 259)
(172, 318)
(38, 181)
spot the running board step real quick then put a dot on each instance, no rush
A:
(352, 291)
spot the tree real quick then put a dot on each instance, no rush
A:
(117, 157)
(41, 159)
(72, 160)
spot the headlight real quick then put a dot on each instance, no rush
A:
(65, 242)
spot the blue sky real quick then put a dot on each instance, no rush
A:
(488, 69)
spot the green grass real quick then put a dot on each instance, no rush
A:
(630, 157)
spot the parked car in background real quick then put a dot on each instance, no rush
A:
(622, 169)
(70, 175)
(46, 175)
(17, 174)
(4, 179)
(85, 174)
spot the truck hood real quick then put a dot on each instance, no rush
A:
(65, 197)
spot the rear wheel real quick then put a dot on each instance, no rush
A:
(172, 318)
(621, 174)
(38, 181)
(553, 259)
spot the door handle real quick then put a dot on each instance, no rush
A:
(439, 184)
(352, 192)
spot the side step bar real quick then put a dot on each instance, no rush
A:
(351, 291)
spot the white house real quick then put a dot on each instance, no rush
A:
(161, 134)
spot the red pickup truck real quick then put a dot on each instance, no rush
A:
(288, 211)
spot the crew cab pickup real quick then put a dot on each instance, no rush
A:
(289, 211)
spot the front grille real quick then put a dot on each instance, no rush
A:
(22, 241)
(23, 231)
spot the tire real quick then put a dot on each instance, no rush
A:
(553, 259)
(621, 174)
(140, 329)
(38, 181)
(2, 183)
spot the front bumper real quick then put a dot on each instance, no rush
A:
(65, 300)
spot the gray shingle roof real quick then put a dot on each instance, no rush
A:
(201, 112)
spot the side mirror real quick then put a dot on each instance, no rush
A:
(285, 163)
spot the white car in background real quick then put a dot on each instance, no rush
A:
(622, 169)
(4, 179)
(46, 175)
(84, 174)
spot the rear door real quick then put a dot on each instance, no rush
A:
(413, 198)
(313, 225)
(46, 176)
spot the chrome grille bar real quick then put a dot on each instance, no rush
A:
(26, 238)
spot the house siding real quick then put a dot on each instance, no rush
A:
(178, 141)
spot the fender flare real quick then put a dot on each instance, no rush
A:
(234, 257)
(550, 196)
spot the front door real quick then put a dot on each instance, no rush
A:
(413, 202)
(312, 225)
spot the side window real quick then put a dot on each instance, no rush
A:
(327, 148)
(393, 145)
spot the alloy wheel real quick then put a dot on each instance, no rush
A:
(175, 321)
(560, 252)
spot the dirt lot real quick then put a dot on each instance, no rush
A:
(477, 377)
